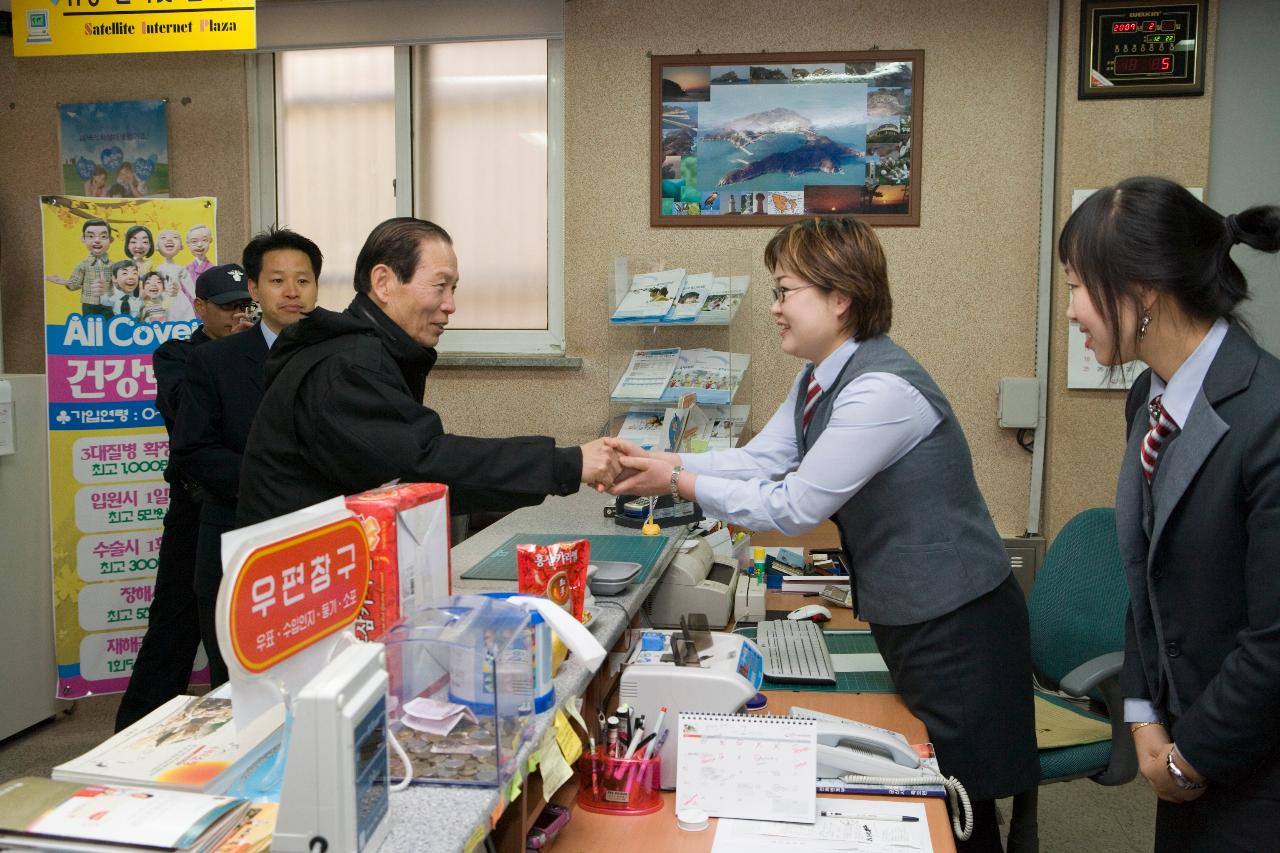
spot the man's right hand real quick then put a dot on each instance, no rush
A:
(242, 322)
(599, 464)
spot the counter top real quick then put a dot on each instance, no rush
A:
(440, 817)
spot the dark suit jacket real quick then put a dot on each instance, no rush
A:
(169, 364)
(1202, 558)
(223, 388)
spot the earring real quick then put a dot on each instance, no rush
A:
(1144, 323)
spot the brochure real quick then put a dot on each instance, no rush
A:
(48, 815)
(647, 375)
(723, 428)
(643, 427)
(710, 374)
(650, 297)
(188, 744)
(691, 299)
(724, 296)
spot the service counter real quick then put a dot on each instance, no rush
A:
(442, 818)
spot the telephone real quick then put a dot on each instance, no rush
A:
(852, 750)
(848, 746)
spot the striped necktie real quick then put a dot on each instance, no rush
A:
(1162, 426)
(810, 399)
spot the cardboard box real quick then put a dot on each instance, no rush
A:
(408, 530)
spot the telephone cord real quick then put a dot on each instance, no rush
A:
(956, 795)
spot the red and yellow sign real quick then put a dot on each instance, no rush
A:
(292, 593)
(75, 27)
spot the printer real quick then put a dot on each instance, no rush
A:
(723, 672)
(696, 581)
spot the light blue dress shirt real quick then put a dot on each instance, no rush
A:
(875, 421)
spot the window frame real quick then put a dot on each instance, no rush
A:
(264, 207)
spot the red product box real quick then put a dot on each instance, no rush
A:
(408, 530)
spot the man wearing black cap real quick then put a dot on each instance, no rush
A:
(223, 389)
(163, 666)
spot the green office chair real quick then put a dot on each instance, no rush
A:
(1077, 609)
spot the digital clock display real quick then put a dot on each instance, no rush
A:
(1144, 64)
(1140, 49)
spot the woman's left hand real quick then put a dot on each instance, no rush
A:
(643, 476)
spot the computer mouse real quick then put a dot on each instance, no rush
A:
(815, 612)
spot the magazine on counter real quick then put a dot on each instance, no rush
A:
(188, 744)
(45, 814)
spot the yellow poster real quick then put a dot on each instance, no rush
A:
(118, 282)
(43, 28)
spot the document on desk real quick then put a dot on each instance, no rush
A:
(864, 826)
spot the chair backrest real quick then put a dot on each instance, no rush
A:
(1079, 597)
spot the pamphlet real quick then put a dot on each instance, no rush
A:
(643, 427)
(724, 296)
(710, 374)
(647, 375)
(650, 297)
(691, 299)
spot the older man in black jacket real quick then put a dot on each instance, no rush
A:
(343, 409)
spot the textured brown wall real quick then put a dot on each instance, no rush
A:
(1100, 143)
(964, 281)
(208, 150)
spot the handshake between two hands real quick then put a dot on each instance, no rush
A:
(622, 468)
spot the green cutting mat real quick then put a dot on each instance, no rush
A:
(500, 565)
(838, 643)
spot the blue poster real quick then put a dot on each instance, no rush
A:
(115, 149)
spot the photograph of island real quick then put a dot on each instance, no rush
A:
(804, 134)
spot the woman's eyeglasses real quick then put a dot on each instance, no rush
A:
(780, 293)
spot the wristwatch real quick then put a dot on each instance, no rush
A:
(675, 482)
(1179, 778)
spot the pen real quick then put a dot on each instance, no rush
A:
(634, 743)
(657, 728)
(892, 819)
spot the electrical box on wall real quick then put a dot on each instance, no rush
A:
(1018, 403)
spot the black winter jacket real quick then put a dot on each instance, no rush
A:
(343, 413)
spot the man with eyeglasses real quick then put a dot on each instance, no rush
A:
(163, 666)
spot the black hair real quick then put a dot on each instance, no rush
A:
(278, 238)
(120, 265)
(1149, 232)
(91, 223)
(140, 229)
(395, 243)
(117, 190)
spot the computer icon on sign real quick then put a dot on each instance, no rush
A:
(38, 26)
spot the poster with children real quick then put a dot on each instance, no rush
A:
(115, 149)
(118, 282)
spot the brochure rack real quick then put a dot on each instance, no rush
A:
(679, 332)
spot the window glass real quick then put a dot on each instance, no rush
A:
(480, 156)
(335, 153)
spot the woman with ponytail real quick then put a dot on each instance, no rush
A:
(1198, 502)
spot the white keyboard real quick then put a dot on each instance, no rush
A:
(795, 651)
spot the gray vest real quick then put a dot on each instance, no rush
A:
(918, 537)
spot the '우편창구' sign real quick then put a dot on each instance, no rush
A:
(288, 595)
(42, 28)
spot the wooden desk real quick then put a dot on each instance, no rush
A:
(825, 535)
(587, 832)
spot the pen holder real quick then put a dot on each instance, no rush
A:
(621, 786)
